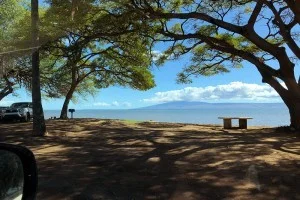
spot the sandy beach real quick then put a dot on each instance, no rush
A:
(114, 159)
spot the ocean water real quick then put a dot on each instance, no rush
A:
(262, 114)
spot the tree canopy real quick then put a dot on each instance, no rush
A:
(11, 75)
(102, 43)
(84, 48)
(222, 34)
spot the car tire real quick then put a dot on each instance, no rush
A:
(26, 118)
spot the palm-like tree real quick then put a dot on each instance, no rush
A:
(39, 126)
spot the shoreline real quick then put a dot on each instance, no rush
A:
(269, 117)
(137, 122)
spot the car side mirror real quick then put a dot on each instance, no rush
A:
(18, 173)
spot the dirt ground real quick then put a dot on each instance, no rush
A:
(111, 159)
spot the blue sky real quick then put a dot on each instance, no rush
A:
(240, 85)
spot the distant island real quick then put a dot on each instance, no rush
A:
(203, 105)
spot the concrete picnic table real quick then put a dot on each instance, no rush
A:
(242, 122)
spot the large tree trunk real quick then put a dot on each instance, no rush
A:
(75, 81)
(64, 110)
(291, 99)
(39, 126)
(290, 96)
(294, 109)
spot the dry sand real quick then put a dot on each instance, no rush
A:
(112, 159)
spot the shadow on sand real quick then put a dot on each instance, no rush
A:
(92, 159)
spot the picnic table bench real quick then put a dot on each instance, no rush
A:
(242, 122)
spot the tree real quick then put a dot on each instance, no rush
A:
(222, 34)
(94, 50)
(11, 12)
(14, 75)
(39, 126)
(98, 65)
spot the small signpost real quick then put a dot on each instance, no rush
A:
(71, 111)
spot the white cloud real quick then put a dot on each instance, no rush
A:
(126, 104)
(234, 91)
(103, 104)
(114, 103)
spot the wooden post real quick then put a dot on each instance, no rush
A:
(227, 123)
(243, 123)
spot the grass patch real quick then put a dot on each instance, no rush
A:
(130, 122)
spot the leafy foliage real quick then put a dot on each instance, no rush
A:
(220, 35)
(12, 76)
(84, 46)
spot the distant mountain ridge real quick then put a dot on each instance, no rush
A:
(203, 105)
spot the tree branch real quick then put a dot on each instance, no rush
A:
(255, 13)
(294, 6)
(284, 31)
(246, 31)
(223, 46)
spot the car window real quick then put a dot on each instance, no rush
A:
(19, 105)
(13, 105)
